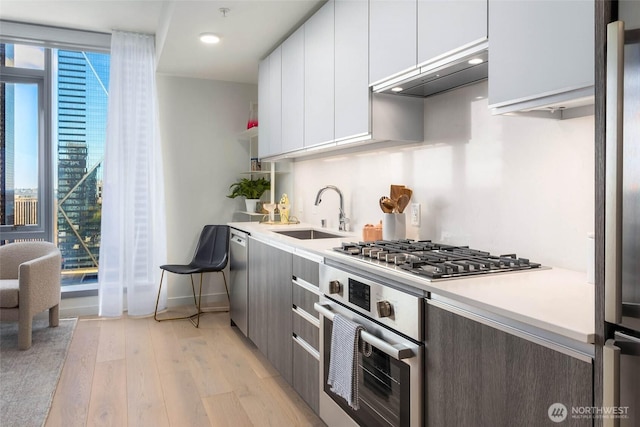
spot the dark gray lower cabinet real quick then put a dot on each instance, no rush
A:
(305, 322)
(270, 304)
(477, 375)
(306, 371)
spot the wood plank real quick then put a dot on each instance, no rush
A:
(254, 357)
(108, 405)
(169, 352)
(70, 403)
(225, 410)
(184, 405)
(290, 402)
(261, 408)
(207, 374)
(145, 400)
(111, 342)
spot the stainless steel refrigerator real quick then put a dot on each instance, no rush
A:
(621, 354)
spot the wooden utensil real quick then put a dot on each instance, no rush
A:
(395, 191)
(403, 201)
(407, 191)
(388, 205)
(384, 205)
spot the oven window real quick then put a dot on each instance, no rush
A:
(384, 387)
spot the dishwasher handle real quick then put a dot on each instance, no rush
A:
(239, 238)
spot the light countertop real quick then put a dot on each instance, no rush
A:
(552, 299)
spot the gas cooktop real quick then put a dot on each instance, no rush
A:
(431, 260)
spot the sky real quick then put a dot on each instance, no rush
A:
(26, 116)
(26, 119)
(26, 136)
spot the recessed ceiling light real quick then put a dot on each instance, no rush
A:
(476, 61)
(396, 89)
(209, 38)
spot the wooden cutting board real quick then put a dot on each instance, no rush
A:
(395, 192)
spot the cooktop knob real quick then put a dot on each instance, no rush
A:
(385, 309)
(335, 287)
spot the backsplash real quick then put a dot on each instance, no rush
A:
(499, 183)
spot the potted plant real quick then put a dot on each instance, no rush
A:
(250, 189)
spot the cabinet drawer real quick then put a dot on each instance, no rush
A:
(306, 330)
(304, 298)
(306, 372)
(306, 269)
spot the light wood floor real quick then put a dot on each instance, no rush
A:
(139, 372)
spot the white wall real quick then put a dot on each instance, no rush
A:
(499, 183)
(200, 121)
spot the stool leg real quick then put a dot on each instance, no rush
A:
(193, 289)
(224, 277)
(197, 322)
(155, 314)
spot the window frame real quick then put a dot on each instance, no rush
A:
(43, 78)
(52, 38)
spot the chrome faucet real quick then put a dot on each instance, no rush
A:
(343, 220)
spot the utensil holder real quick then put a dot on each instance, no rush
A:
(394, 226)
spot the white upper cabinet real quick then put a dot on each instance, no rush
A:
(352, 95)
(263, 102)
(392, 38)
(319, 77)
(275, 101)
(449, 26)
(541, 53)
(293, 92)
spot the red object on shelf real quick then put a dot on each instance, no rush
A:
(253, 115)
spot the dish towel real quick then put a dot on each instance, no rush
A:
(343, 362)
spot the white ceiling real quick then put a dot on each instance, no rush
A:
(251, 29)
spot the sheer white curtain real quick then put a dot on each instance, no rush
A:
(133, 243)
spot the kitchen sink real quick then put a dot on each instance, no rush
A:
(308, 234)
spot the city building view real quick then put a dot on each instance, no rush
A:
(79, 109)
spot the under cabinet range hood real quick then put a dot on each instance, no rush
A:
(440, 76)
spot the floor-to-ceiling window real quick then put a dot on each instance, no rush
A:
(53, 106)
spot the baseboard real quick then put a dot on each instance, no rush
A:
(88, 306)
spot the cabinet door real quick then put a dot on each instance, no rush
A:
(259, 270)
(293, 92)
(263, 105)
(318, 77)
(275, 101)
(539, 48)
(392, 38)
(279, 318)
(448, 25)
(270, 325)
(352, 108)
(488, 377)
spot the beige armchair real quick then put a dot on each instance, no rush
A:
(29, 284)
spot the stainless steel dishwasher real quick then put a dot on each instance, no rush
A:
(238, 291)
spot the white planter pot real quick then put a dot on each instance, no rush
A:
(251, 204)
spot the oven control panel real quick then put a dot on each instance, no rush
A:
(360, 294)
(397, 309)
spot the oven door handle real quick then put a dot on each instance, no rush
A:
(397, 351)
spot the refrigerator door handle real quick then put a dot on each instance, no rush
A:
(611, 378)
(613, 173)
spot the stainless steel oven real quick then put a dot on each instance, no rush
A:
(391, 379)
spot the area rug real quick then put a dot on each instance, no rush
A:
(28, 379)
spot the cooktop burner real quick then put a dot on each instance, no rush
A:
(434, 260)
